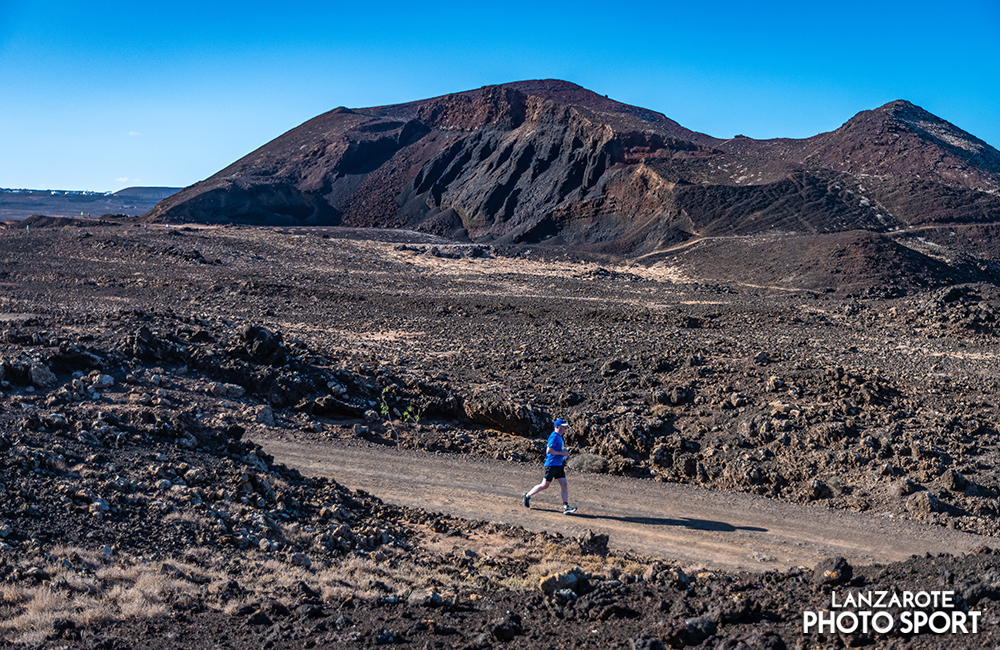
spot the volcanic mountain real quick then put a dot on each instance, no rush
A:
(550, 162)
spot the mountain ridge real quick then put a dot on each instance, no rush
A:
(547, 161)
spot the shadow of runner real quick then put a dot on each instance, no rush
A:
(693, 524)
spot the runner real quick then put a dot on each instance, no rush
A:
(555, 456)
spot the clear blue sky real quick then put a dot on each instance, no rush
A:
(105, 95)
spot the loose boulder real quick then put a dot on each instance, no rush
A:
(832, 571)
(492, 409)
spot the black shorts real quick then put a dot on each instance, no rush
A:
(552, 472)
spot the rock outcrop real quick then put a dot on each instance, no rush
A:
(550, 162)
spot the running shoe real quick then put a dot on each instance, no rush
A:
(568, 510)
(527, 500)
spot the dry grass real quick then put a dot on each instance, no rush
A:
(548, 567)
(236, 604)
(38, 609)
(140, 600)
(201, 554)
(187, 517)
(519, 583)
(295, 534)
(89, 589)
(12, 595)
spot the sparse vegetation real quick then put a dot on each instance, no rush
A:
(409, 414)
(136, 505)
(587, 462)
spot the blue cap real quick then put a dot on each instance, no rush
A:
(560, 423)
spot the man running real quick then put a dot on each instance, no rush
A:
(555, 456)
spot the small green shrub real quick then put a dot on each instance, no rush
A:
(410, 414)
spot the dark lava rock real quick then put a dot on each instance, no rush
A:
(263, 346)
(832, 571)
(647, 641)
(507, 627)
(492, 409)
(689, 632)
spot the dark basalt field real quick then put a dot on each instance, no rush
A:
(140, 363)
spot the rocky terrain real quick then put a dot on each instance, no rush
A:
(141, 362)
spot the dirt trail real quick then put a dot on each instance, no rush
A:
(698, 527)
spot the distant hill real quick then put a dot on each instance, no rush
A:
(17, 205)
(549, 162)
(154, 193)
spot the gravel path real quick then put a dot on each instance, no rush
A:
(699, 527)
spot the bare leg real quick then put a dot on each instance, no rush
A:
(541, 486)
(564, 489)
